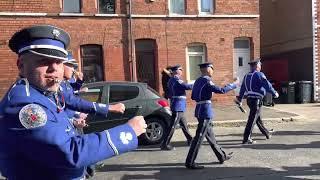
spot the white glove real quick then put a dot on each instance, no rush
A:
(236, 81)
(276, 95)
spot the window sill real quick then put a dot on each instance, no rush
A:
(71, 14)
(21, 14)
(178, 15)
(110, 15)
(205, 14)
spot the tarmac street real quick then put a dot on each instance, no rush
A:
(292, 153)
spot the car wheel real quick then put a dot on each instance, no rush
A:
(156, 129)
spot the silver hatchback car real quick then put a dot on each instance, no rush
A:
(139, 99)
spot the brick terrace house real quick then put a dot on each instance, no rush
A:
(136, 39)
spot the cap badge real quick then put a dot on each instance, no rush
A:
(55, 33)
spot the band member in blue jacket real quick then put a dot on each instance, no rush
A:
(254, 86)
(78, 119)
(202, 91)
(37, 141)
(177, 91)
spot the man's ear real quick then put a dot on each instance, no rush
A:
(19, 63)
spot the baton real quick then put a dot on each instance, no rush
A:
(240, 107)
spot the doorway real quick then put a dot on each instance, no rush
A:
(241, 57)
(145, 60)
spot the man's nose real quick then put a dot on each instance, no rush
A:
(55, 66)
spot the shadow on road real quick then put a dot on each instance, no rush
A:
(314, 144)
(178, 171)
(279, 133)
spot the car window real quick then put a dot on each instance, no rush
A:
(151, 93)
(92, 94)
(122, 93)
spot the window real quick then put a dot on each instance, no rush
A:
(177, 7)
(92, 63)
(71, 6)
(107, 7)
(206, 6)
(93, 94)
(195, 55)
(122, 93)
(240, 61)
(241, 44)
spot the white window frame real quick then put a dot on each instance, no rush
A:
(211, 8)
(202, 54)
(63, 6)
(170, 8)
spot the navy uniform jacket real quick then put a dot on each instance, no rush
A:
(75, 84)
(177, 91)
(255, 85)
(76, 103)
(67, 89)
(202, 94)
(38, 142)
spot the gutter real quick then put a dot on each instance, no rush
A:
(315, 51)
(132, 47)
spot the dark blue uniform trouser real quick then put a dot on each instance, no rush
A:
(255, 105)
(177, 117)
(204, 129)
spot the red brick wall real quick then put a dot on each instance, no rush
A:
(221, 7)
(35, 6)
(237, 7)
(172, 35)
(147, 7)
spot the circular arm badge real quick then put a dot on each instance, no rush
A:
(32, 116)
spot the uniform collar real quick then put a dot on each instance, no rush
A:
(207, 77)
(44, 92)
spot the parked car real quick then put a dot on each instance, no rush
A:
(138, 98)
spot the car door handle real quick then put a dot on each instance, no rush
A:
(139, 107)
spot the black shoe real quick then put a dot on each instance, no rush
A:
(167, 148)
(228, 156)
(270, 133)
(90, 171)
(249, 141)
(194, 166)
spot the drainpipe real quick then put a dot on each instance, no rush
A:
(315, 50)
(132, 48)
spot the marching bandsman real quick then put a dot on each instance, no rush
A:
(202, 94)
(177, 91)
(36, 139)
(76, 118)
(255, 85)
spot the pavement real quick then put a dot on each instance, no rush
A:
(230, 115)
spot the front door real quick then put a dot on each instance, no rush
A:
(241, 58)
(145, 56)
